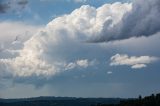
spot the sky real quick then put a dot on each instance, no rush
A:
(79, 48)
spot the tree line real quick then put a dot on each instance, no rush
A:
(153, 100)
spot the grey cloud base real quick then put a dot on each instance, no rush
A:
(140, 21)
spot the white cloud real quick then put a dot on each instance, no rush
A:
(133, 61)
(10, 30)
(60, 42)
(138, 66)
(109, 72)
(70, 66)
(13, 35)
(140, 21)
(83, 63)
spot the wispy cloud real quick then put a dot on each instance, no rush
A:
(109, 72)
(134, 61)
(83, 63)
(80, 1)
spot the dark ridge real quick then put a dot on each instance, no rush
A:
(58, 101)
(153, 100)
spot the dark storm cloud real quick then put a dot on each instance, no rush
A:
(4, 7)
(7, 5)
(22, 2)
(142, 20)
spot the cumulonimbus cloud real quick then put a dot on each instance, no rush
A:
(58, 46)
(141, 20)
(134, 61)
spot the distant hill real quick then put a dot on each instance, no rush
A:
(58, 101)
(153, 100)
